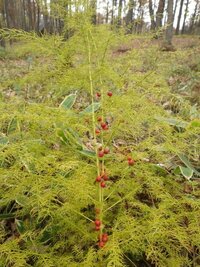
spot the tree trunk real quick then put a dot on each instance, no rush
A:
(129, 16)
(151, 12)
(46, 17)
(107, 12)
(2, 41)
(169, 30)
(119, 20)
(159, 13)
(185, 16)
(191, 28)
(175, 8)
(179, 17)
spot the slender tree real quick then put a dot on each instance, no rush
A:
(185, 16)
(119, 19)
(151, 12)
(159, 13)
(175, 8)
(179, 17)
(129, 16)
(193, 17)
(169, 29)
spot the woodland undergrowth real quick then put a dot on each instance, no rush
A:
(55, 94)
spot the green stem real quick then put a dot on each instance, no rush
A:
(94, 127)
(92, 100)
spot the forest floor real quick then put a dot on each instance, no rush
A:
(178, 68)
(47, 157)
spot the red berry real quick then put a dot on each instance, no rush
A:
(103, 184)
(101, 244)
(97, 228)
(98, 94)
(105, 235)
(103, 125)
(105, 177)
(101, 154)
(106, 127)
(109, 93)
(129, 158)
(106, 150)
(97, 131)
(99, 119)
(98, 179)
(97, 222)
(131, 162)
(104, 238)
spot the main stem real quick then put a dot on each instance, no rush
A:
(94, 128)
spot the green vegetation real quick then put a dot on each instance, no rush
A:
(151, 210)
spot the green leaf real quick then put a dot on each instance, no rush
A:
(68, 102)
(184, 159)
(12, 126)
(3, 139)
(173, 122)
(60, 133)
(88, 153)
(21, 200)
(20, 226)
(177, 170)
(7, 216)
(195, 123)
(186, 172)
(68, 136)
(95, 106)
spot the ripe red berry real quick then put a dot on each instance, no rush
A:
(97, 222)
(101, 154)
(106, 150)
(97, 131)
(103, 125)
(99, 119)
(105, 238)
(98, 179)
(98, 94)
(129, 158)
(103, 184)
(97, 228)
(105, 177)
(105, 235)
(109, 93)
(101, 244)
(131, 162)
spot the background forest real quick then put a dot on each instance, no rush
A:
(52, 16)
(99, 133)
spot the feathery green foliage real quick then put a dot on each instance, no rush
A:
(47, 158)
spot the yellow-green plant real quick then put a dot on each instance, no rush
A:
(49, 158)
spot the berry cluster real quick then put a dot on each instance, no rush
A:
(109, 93)
(103, 152)
(102, 178)
(102, 126)
(102, 240)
